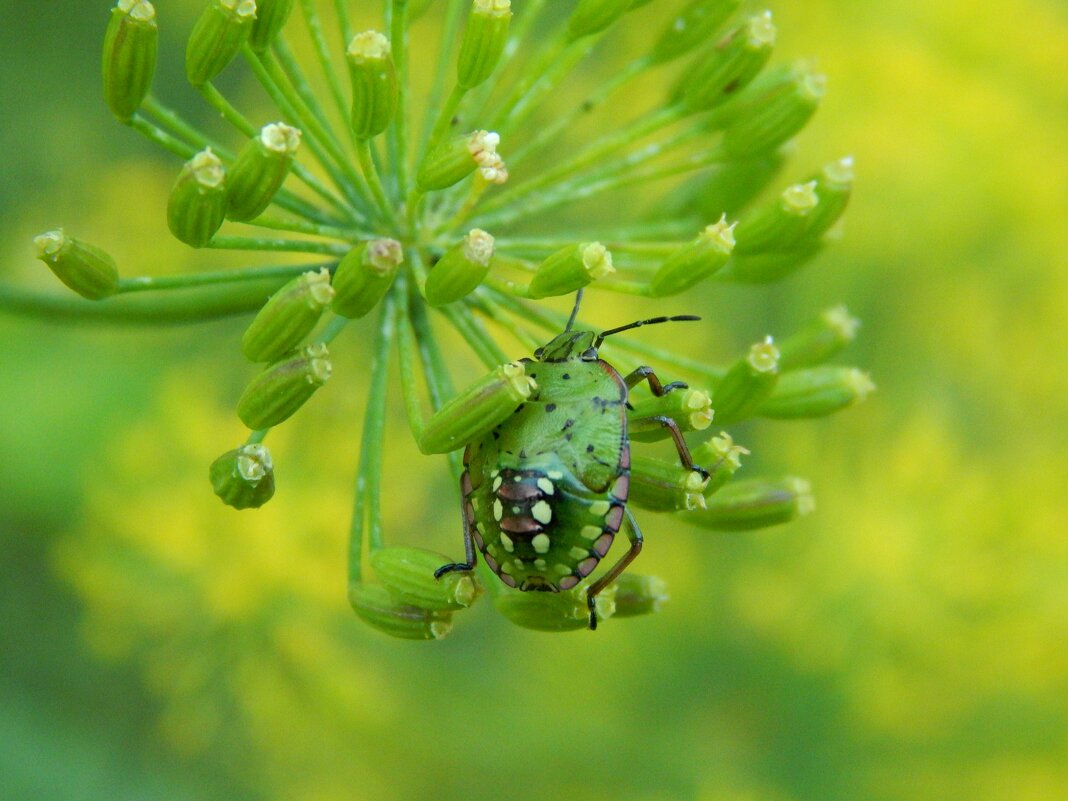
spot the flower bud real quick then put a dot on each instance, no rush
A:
(197, 205)
(747, 384)
(766, 268)
(376, 607)
(639, 595)
(816, 392)
(693, 263)
(478, 409)
(483, 42)
(130, 47)
(217, 37)
(408, 574)
(276, 393)
(834, 185)
(555, 611)
(244, 477)
(691, 409)
(271, 17)
(593, 16)
(374, 84)
(288, 317)
(728, 66)
(364, 275)
(780, 225)
(821, 339)
(463, 267)
(87, 270)
(720, 458)
(661, 486)
(756, 503)
(260, 170)
(691, 27)
(570, 269)
(771, 117)
(456, 159)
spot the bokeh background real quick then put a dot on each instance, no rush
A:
(907, 641)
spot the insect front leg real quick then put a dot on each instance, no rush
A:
(634, 534)
(646, 373)
(469, 523)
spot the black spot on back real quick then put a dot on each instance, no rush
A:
(550, 407)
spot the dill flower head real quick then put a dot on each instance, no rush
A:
(464, 205)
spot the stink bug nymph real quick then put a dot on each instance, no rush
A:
(544, 494)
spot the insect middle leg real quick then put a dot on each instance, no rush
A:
(634, 534)
(469, 524)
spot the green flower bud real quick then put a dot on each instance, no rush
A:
(661, 486)
(693, 263)
(260, 170)
(820, 340)
(816, 392)
(374, 84)
(747, 384)
(766, 268)
(271, 17)
(639, 595)
(276, 393)
(555, 611)
(458, 158)
(780, 225)
(288, 317)
(217, 37)
(197, 205)
(692, 26)
(87, 270)
(570, 269)
(483, 42)
(478, 409)
(408, 574)
(720, 458)
(364, 275)
(773, 116)
(728, 66)
(130, 47)
(376, 606)
(244, 477)
(756, 503)
(834, 185)
(593, 16)
(463, 267)
(691, 409)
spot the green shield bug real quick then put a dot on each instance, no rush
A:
(544, 493)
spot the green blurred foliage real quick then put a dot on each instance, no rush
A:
(905, 642)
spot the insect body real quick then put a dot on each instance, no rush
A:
(545, 492)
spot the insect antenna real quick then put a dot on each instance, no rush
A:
(679, 318)
(574, 311)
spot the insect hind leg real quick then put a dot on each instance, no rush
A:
(469, 542)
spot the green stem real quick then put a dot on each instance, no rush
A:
(479, 340)
(406, 352)
(295, 75)
(150, 283)
(444, 121)
(273, 223)
(397, 135)
(370, 174)
(491, 311)
(277, 245)
(195, 305)
(322, 51)
(344, 24)
(449, 36)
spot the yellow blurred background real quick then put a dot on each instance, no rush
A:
(906, 641)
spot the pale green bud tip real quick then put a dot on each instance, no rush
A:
(724, 450)
(496, 7)
(800, 199)
(483, 148)
(839, 174)
(839, 320)
(253, 463)
(764, 356)
(698, 404)
(280, 138)
(805, 501)
(720, 234)
(493, 170)
(760, 30)
(640, 595)
(383, 255)
(206, 169)
(317, 290)
(241, 9)
(813, 85)
(319, 368)
(520, 384)
(860, 384)
(48, 245)
(140, 10)
(694, 488)
(369, 46)
(478, 247)
(597, 260)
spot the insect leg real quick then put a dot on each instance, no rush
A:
(469, 543)
(680, 443)
(647, 374)
(634, 534)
